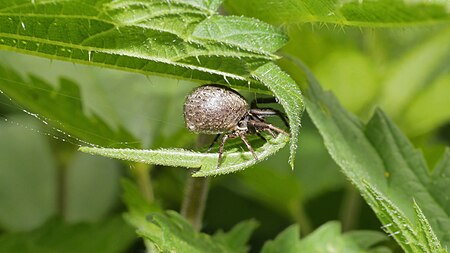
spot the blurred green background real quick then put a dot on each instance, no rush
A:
(48, 188)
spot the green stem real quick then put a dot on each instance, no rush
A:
(351, 207)
(194, 200)
(195, 195)
(143, 180)
(300, 216)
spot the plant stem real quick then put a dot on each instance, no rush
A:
(194, 200)
(143, 180)
(196, 193)
(350, 208)
(300, 216)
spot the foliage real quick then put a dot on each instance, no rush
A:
(327, 238)
(378, 145)
(170, 232)
(391, 88)
(101, 36)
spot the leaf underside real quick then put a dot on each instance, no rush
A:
(206, 162)
(169, 38)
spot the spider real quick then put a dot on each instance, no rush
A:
(217, 109)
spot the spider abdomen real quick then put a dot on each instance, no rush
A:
(214, 109)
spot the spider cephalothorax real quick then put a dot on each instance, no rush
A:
(216, 109)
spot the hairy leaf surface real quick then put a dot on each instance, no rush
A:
(378, 154)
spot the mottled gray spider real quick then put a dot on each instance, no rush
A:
(217, 109)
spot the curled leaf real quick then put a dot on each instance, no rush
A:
(206, 162)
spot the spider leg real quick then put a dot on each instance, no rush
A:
(213, 142)
(258, 119)
(244, 139)
(266, 126)
(260, 113)
(221, 147)
(271, 132)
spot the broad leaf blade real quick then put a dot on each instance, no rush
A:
(380, 13)
(379, 154)
(248, 33)
(157, 37)
(207, 162)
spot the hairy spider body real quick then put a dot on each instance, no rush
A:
(216, 109)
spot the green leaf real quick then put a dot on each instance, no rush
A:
(110, 236)
(287, 242)
(412, 238)
(243, 32)
(327, 238)
(286, 192)
(379, 13)
(138, 207)
(207, 162)
(171, 233)
(182, 39)
(238, 236)
(380, 155)
(289, 95)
